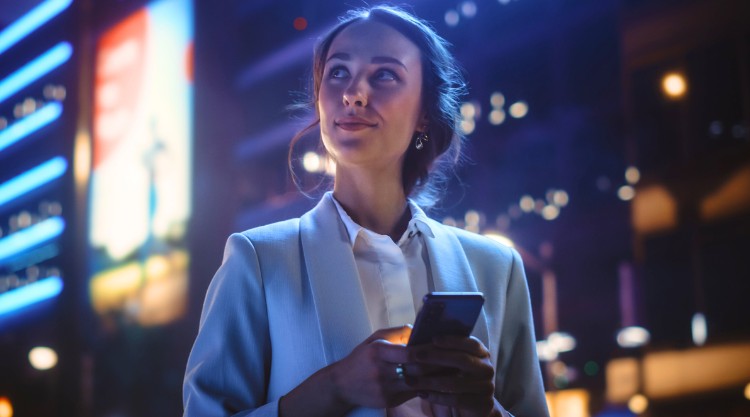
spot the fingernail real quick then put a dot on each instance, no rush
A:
(422, 394)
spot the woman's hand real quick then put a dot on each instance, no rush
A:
(367, 376)
(461, 377)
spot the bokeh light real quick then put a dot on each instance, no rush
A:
(497, 99)
(626, 193)
(469, 9)
(497, 237)
(42, 358)
(300, 23)
(674, 85)
(632, 175)
(311, 162)
(6, 408)
(451, 18)
(496, 117)
(638, 404)
(633, 336)
(519, 109)
(527, 203)
(550, 212)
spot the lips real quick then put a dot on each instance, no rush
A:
(353, 123)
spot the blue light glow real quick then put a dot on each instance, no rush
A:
(30, 237)
(30, 22)
(29, 124)
(30, 294)
(31, 179)
(35, 69)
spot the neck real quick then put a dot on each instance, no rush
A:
(375, 200)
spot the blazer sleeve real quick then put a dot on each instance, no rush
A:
(228, 367)
(518, 383)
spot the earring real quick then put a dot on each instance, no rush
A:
(422, 137)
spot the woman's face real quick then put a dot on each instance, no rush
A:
(370, 97)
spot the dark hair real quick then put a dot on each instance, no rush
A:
(425, 171)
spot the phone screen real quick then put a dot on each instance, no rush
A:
(446, 314)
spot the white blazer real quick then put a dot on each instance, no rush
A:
(286, 302)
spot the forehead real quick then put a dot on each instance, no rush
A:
(374, 39)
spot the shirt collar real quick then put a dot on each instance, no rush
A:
(417, 224)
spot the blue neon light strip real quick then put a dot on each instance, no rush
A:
(30, 22)
(35, 69)
(30, 124)
(32, 179)
(31, 237)
(30, 294)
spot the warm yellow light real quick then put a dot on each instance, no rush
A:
(472, 218)
(674, 85)
(311, 162)
(747, 391)
(6, 408)
(82, 159)
(550, 212)
(42, 358)
(638, 404)
(626, 193)
(497, 117)
(527, 203)
(519, 109)
(632, 175)
(467, 126)
(468, 111)
(497, 237)
(497, 99)
(560, 198)
(449, 221)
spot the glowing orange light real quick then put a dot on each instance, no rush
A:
(6, 409)
(300, 23)
(674, 85)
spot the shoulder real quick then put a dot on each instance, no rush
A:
(273, 233)
(476, 244)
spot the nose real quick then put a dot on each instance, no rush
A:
(355, 96)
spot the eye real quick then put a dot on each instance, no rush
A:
(338, 72)
(385, 75)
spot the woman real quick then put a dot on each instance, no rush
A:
(309, 317)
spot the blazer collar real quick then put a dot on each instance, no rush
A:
(339, 301)
(451, 271)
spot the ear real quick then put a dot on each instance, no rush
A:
(423, 123)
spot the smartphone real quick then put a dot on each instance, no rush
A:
(446, 314)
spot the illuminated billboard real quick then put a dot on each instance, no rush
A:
(140, 179)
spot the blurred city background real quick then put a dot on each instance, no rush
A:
(609, 143)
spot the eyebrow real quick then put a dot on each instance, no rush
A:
(375, 60)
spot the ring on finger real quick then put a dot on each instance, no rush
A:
(400, 372)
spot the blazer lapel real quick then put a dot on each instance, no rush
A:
(339, 302)
(451, 271)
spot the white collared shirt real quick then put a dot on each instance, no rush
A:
(394, 277)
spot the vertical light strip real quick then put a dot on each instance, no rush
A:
(30, 22)
(33, 178)
(35, 69)
(30, 124)
(31, 237)
(30, 294)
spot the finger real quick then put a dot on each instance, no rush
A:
(478, 402)
(465, 363)
(398, 335)
(470, 345)
(453, 385)
(390, 353)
